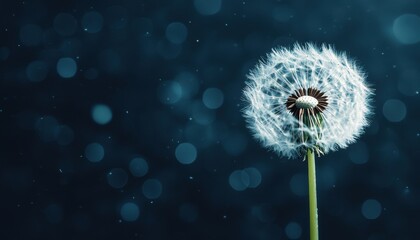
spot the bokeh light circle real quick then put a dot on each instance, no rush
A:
(207, 7)
(201, 114)
(176, 32)
(239, 180)
(371, 209)
(66, 67)
(47, 128)
(117, 178)
(213, 98)
(394, 110)
(94, 152)
(186, 153)
(138, 167)
(129, 212)
(406, 28)
(152, 188)
(37, 71)
(254, 177)
(64, 135)
(169, 92)
(101, 114)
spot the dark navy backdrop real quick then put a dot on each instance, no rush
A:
(122, 120)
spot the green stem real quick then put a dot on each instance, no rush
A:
(313, 210)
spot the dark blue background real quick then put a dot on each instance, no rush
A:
(152, 78)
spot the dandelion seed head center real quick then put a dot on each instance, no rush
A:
(306, 102)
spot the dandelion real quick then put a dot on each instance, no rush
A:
(307, 100)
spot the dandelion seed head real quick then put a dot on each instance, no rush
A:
(306, 98)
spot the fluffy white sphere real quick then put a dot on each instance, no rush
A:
(302, 74)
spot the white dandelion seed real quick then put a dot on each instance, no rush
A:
(306, 98)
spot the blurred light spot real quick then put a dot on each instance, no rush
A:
(37, 71)
(254, 177)
(407, 28)
(138, 167)
(371, 209)
(47, 128)
(176, 32)
(64, 135)
(169, 92)
(213, 98)
(152, 188)
(66, 67)
(110, 61)
(101, 114)
(299, 185)
(54, 213)
(186, 153)
(394, 110)
(234, 143)
(91, 73)
(117, 17)
(188, 213)
(239, 180)
(94, 152)
(65, 24)
(359, 153)
(207, 7)
(409, 82)
(201, 114)
(4, 53)
(30, 35)
(92, 22)
(130, 212)
(117, 178)
(293, 230)
(188, 83)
